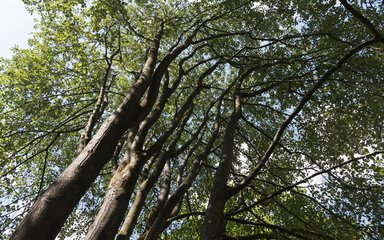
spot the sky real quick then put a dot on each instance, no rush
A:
(16, 25)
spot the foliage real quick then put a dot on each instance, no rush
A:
(335, 143)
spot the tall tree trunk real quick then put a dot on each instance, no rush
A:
(173, 204)
(122, 184)
(159, 220)
(48, 214)
(134, 212)
(214, 225)
(145, 187)
(116, 199)
(163, 195)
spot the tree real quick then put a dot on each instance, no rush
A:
(195, 119)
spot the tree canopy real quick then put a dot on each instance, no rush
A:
(181, 119)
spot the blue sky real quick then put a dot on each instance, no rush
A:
(16, 25)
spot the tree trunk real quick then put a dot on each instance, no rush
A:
(214, 224)
(122, 184)
(145, 187)
(134, 212)
(173, 204)
(48, 214)
(116, 200)
(160, 218)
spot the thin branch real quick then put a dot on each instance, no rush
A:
(368, 24)
(291, 186)
(306, 98)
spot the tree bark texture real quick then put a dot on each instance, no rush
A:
(158, 222)
(214, 225)
(48, 214)
(111, 214)
(116, 200)
(134, 212)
